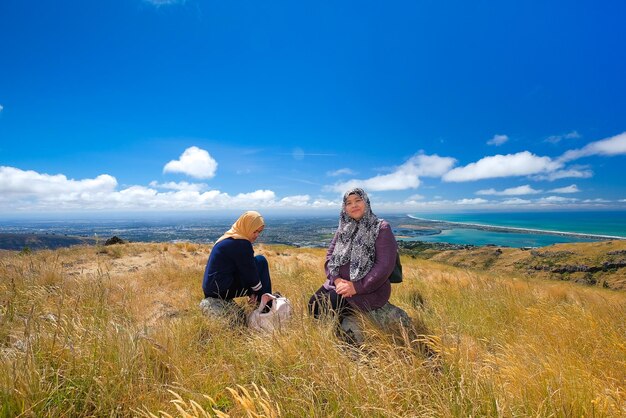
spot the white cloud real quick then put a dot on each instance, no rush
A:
(487, 192)
(325, 204)
(406, 176)
(398, 180)
(516, 201)
(513, 191)
(476, 201)
(572, 172)
(341, 172)
(521, 164)
(183, 185)
(568, 189)
(556, 199)
(431, 165)
(615, 145)
(297, 200)
(256, 196)
(555, 139)
(194, 162)
(1, 108)
(15, 182)
(498, 140)
(596, 201)
(29, 191)
(622, 200)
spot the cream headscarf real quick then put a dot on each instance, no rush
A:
(244, 227)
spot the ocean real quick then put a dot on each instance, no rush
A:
(524, 229)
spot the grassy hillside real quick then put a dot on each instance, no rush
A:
(595, 263)
(11, 241)
(116, 331)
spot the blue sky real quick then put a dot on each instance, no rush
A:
(135, 106)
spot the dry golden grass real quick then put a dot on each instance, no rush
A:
(541, 262)
(91, 331)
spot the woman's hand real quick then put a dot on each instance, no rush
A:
(253, 299)
(344, 288)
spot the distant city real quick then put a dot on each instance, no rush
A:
(300, 232)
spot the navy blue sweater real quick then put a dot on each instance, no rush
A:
(231, 268)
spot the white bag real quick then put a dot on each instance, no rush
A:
(274, 319)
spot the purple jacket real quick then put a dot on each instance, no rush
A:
(374, 289)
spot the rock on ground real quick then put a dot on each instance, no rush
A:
(213, 307)
(389, 318)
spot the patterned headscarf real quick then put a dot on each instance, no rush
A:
(355, 240)
(244, 227)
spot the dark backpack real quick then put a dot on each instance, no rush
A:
(396, 274)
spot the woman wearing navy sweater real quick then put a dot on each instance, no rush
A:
(233, 270)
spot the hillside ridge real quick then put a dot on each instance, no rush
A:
(600, 263)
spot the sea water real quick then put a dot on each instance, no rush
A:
(524, 229)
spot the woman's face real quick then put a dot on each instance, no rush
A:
(256, 234)
(355, 206)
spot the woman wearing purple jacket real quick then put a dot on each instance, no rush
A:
(359, 261)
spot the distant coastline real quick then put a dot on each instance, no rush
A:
(499, 228)
(461, 229)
